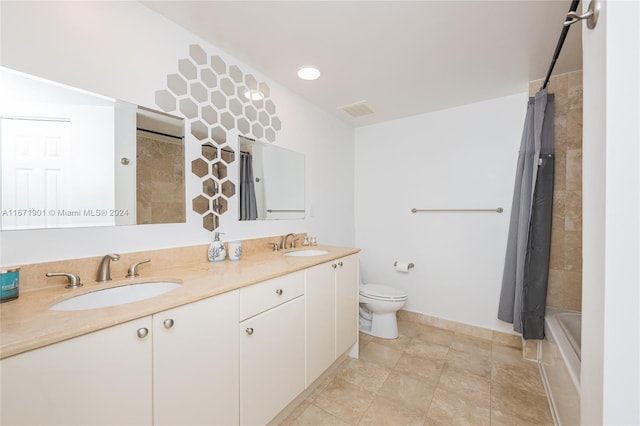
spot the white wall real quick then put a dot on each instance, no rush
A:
(610, 379)
(124, 50)
(463, 157)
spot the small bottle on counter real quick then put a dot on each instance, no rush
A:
(217, 252)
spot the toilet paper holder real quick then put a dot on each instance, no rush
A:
(409, 266)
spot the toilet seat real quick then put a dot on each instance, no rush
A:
(382, 292)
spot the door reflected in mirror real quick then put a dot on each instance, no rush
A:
(271, 181)
(71, 158)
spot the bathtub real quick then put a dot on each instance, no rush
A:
(560, 355)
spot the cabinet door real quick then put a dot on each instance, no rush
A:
(101, 378)
(271, 361)
(346, 303)
(195, 363)
(321, 319)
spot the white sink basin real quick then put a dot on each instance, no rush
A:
(305, 253)
(115, 296)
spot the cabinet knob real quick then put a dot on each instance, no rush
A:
(340, 264)
(279, 292)
(168, 323)
(249, 331)
(142, 332)
(334, 266)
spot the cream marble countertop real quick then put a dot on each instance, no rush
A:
(27, 323)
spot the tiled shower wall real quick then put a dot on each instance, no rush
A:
(160, 179)
(565, 269)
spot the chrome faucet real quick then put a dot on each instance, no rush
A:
(73, 280)
(275, 246)
(104, 270)
(283, 243)
(133, 270)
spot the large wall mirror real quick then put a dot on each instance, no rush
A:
(71, 158)
(271, 181)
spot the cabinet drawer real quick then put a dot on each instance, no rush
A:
(267, 294)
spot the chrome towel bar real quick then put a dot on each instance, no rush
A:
(497, 210)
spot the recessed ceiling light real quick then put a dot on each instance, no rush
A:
(308, 73)
(253, 95)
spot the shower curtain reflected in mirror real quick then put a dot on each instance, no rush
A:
(248, 205)
(526, 268)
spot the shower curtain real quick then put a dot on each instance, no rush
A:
(248, 205)
(526, 268)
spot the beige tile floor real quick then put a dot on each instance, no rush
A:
(429, 376)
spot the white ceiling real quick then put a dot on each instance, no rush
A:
(401, 57)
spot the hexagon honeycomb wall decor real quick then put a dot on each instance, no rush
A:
(216, 98)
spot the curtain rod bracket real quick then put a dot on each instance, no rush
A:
(563, 35)
(591, 16)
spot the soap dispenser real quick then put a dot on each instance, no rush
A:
(217, 251)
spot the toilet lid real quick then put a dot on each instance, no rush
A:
(382, 292)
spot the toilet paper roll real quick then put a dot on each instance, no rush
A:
(403, 266)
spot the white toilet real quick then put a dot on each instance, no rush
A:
(378, 307)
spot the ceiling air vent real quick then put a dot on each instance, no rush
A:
(357, 109)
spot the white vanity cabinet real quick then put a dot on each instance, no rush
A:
(101, 378)
(175, 367)
(272, 350)
(320, 319)
(195, 363)
(331, 313)
(237, 358)
(347, 296)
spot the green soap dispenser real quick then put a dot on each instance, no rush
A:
(217, 252)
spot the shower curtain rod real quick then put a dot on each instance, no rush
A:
(159, 133)
(563, 35)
